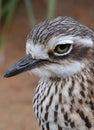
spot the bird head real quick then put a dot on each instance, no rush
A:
(60, 47)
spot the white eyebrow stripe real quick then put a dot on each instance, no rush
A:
(70, 39)
(84, 41)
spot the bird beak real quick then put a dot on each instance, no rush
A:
(22, 65)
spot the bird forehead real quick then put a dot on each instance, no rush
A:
(65, 26)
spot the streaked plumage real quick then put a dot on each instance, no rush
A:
(61, 52)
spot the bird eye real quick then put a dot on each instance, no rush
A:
(62, 48)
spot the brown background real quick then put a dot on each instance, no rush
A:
(16, 93)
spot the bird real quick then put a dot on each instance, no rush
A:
(61, 52)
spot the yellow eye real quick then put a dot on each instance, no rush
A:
(62, 48)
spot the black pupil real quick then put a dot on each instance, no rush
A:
(62, 47)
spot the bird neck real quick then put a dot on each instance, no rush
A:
(64, 95)
(70, 86)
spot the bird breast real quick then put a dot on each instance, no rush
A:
(61, 104)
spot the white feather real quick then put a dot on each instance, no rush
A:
(53, 70)
(64, 68)
(69, 39)
(36, 50)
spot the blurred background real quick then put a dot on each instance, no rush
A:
(17, 17)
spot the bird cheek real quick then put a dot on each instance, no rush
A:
(41, 72)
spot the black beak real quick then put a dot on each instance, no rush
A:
(23, 65)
